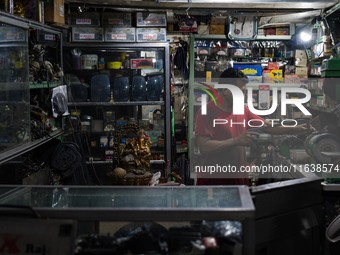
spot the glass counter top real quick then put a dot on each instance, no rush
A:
(132, 202)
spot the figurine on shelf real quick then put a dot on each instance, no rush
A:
(133, 157)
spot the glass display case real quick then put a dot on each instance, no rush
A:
(180, 206)
(14, 85)
(18, 36)
(114, 84)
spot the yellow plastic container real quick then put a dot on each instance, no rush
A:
(114, 65)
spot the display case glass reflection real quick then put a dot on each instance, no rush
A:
(14, 86)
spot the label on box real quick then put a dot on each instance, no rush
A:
(126, 34)
(273, 65)
(83, 21)
(264, 97)
(12, 34)
(61, 9)
(118, 36)
(49, 37)
(87, 36)
(141, 63)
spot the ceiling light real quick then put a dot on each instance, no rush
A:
(305, 36)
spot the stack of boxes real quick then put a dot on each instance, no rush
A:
(297, 73)
(151, 27)
(117, 27)
(273, 74)
(86, 27)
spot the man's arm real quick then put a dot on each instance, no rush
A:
(281, 130)
(206, 144)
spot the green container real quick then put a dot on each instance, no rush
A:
(330, 73)
(330, 64)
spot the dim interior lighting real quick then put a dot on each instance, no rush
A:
(305, 36)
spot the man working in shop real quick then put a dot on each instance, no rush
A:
(223, 146)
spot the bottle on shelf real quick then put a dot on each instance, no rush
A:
(127, 61)
(101, 63)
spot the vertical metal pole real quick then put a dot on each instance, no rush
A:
(191, 112)
(11, 6)
(41, 12)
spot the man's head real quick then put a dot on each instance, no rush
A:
(234, 77)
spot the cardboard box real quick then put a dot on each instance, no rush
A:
(216, 29)
(301, 62)
(294, 78)
(301, 71)
(55, 12)
(282, 31)
(249, 69)
(300, 54)
(272, 76)
(217, 26)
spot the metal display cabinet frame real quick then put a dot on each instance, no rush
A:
(137, 204)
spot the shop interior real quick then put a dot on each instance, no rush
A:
(98, 145)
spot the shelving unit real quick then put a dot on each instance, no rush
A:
(124, 111)
(18, 138)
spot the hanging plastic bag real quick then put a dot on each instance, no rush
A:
(59, 101)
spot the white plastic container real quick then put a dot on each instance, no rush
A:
(89, 61)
